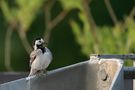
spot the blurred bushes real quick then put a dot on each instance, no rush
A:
(73, 30)
(115, 40)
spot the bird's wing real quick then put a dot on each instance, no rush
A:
(50, 54)
(34, 54)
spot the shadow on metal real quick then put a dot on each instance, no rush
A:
(10, 76)
(95, 74)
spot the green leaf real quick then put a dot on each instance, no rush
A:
(76, 31)
(130, 33)
(71, 4)
(27, 11)
(9, 13)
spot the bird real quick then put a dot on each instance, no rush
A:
(40, 57)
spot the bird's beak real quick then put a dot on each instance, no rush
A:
(45, 44)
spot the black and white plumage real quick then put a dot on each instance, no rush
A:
(40, 57)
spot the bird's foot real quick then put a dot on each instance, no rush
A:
(42, 73)
(29, 77)
(45, 72)
(39, 75)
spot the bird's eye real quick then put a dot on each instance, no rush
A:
(39, 41)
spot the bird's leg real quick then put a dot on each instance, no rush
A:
(45, 71)
(42, 72)
(32, 72)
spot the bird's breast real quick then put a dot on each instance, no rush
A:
(42, 61)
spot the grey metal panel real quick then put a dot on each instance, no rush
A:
(68, 78)
(119, 80)
(14, 85)
(88, 75)
(10, 76)
(128, 84)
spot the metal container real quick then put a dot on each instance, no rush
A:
(94, 74)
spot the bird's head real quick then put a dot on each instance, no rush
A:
(39, 43)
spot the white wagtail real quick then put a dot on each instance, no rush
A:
(40, 57)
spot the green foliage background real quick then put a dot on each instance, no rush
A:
(72, 39)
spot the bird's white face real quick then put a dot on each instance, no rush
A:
(38, 42)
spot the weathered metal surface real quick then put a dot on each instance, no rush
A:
(68, 78)
(89, 75)
(121, 56)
